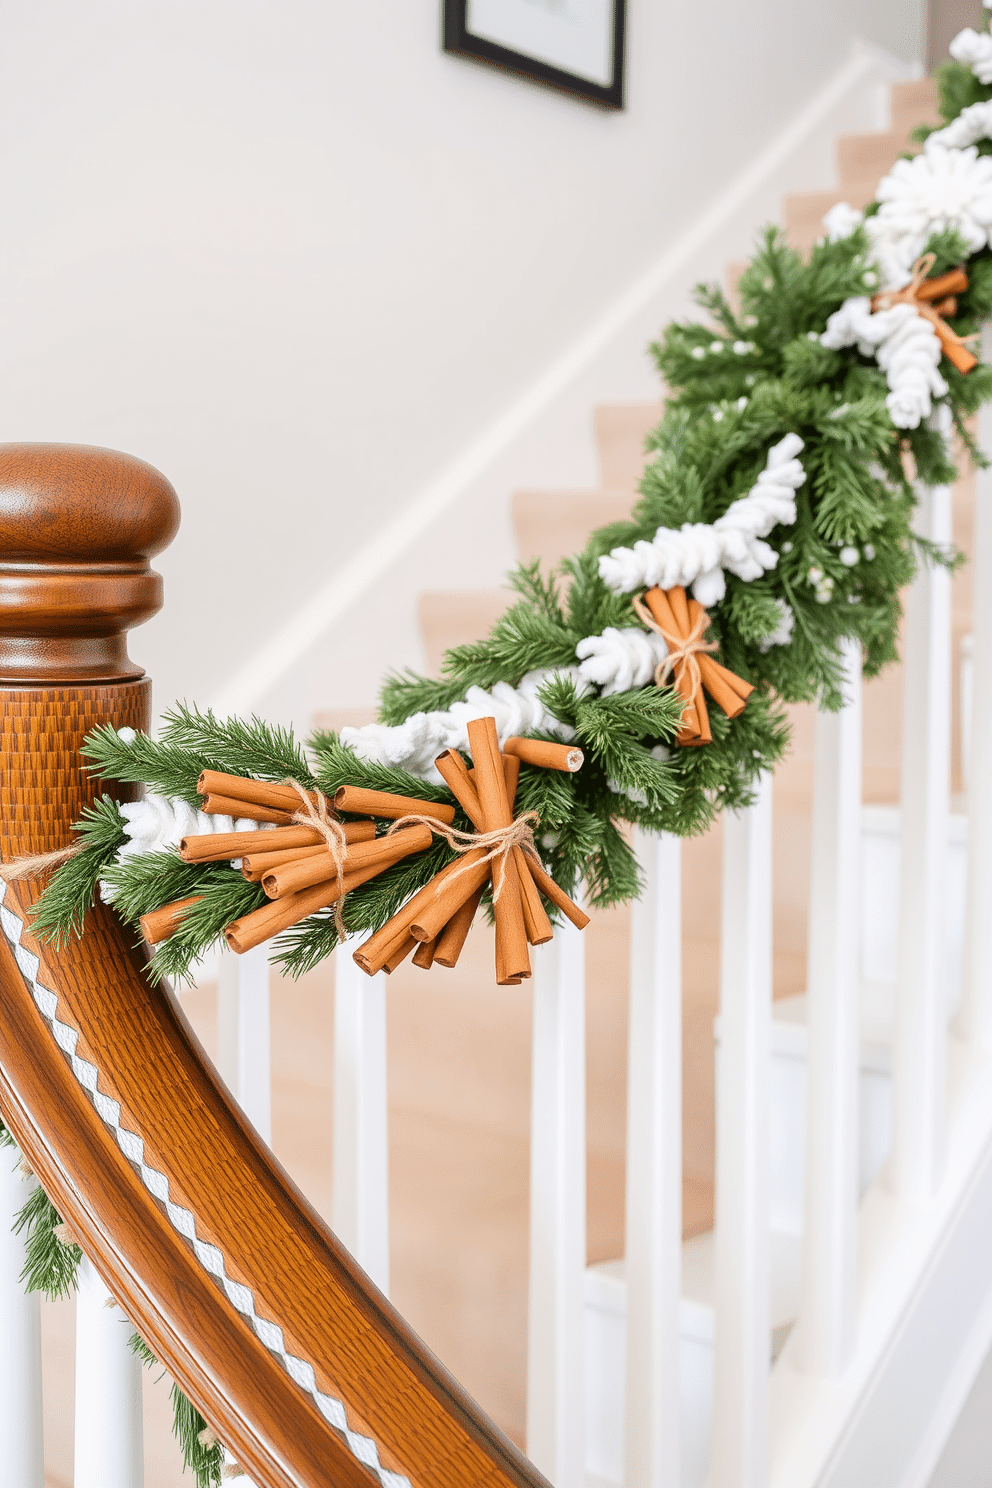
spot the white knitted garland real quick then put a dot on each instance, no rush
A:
(697, 553)
(974, 49)
(906, 348)
(948, 186)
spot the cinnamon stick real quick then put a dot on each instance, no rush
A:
(290, 878)
(511, 779)
(727, 690)
(538, 926)
(951, 283)
(953, 348)
(557, 895)
(424, 954)
(159, 924)
(216, 847)
(278, 915)
(511, 934)
(374, 954)
(399, 955)
(448, 945)
(547, 756)
(353, 798)
(254, 866)
(449, 896)
(456, 776)
(261, 792)
(375, 951)
(250, 810)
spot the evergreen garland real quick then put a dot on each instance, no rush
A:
(732, 393)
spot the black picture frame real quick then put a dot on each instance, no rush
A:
(459, 40)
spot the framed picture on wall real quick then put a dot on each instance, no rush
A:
(573, 45)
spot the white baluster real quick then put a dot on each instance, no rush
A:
(243, 1033)
(920, 1044)
(654, 1170)
(825, 1330)
(360, 1198)
(555, 1352)
(108, 1445)
(975, 1017)
(742, 1324)
(21, 1445)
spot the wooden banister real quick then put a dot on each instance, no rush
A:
(308, 1375)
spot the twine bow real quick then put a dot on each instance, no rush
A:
(496, 844)
(933, 299)
(683, 651)
(682, 623)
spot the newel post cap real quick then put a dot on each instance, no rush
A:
(78, 526)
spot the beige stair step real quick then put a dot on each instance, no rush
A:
(550, 525)
(869, 157)
(803, 213)
(455, 617)
(621, 429)
(913, 103)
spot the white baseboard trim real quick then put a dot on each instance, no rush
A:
(952, 1399)
(867, 66)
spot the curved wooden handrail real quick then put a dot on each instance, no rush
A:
(306, 1372)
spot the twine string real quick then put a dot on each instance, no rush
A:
(908, 296)
(319, 817)
(39, 863)
(498, 843)
(682, 650)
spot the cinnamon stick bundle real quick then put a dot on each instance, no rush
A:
(679, 617)
(512, 957)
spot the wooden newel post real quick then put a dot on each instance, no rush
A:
(77, 529)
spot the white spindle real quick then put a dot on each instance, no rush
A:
(975, 1018)
(742, 1323)
(243, 1038)
(21, 1444)
(920, 1042)
(654, 1170)
(555, 1354)
(825, 1332)
(108, 1444)
(360, 1200)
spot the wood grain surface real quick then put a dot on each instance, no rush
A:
(273, 1242)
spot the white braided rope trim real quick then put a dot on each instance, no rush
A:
(211, 1259)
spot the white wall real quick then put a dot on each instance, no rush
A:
(300, 259)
